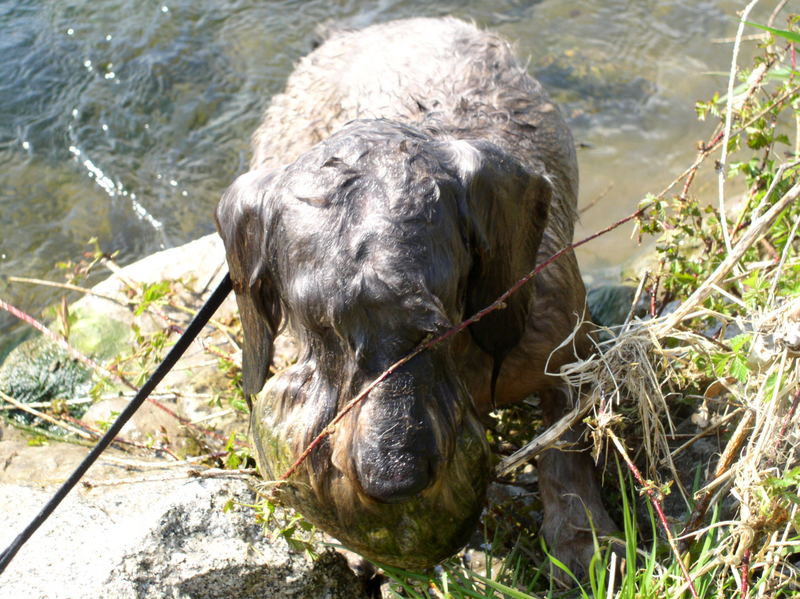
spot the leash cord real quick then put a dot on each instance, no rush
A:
(194, 328)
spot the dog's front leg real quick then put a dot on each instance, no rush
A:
(573, 507)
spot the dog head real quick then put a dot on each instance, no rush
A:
(374, 240)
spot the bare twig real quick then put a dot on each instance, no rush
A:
(653, 496)
(703, 498)
(596, 200)
(544, 440)
(711, 430)
(753, 37)
(245, 473)
(85, 431)
(48, 404)
(98, 433)
(34, 412)
(728, 121)
(774, 15)
(68, 287)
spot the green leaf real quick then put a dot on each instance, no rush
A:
(788, 480)
(151, 293)
(739, 369)
(739, 342)
(789, 35)
(233, 461)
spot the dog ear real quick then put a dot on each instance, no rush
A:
(504, 214)
(243, 224)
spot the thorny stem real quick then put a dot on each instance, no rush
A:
(705, 150)
(653, 496)
(496, 305)
(745, 574)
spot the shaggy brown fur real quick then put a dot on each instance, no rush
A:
(408, 175)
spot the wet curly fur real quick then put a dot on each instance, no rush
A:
(408, 175)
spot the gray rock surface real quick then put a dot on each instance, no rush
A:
(148, 424)
(160, 539)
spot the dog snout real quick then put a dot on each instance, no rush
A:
(395, 453)
(394, 476)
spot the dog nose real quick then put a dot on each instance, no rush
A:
(394, 477)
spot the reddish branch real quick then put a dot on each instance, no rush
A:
(745, 588)
(705, 150)
(654, 499)
(496, 305)
(97, 433)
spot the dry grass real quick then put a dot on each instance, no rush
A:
(759, 469)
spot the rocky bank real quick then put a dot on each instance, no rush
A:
(145, 525)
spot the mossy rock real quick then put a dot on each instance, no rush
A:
(95, 334)
(40, 370)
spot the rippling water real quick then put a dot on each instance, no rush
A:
(124, 121)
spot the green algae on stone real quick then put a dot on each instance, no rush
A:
(39, 370)
(95, 334)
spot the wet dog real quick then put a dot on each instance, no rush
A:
(408, 175)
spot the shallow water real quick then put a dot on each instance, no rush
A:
(124, 121)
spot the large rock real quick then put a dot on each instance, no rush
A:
(167, 534)
(161, 539)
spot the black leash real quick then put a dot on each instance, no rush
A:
(198, 322)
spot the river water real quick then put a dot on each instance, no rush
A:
(124, 121)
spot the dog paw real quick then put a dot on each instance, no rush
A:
(575, 532)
